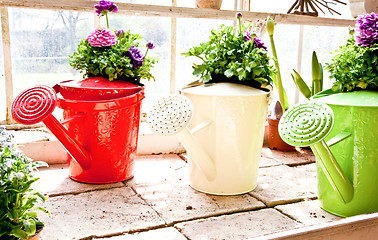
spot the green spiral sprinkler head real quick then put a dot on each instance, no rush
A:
(307, 124)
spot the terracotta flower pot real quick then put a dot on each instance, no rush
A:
(215, 4)
(36, 236)
(275, 142)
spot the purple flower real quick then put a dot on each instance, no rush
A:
(120, 32)
(102, 38)
(150, 45)
(135, 56)
(103, 7)
(259, 44)
(239, 15)
(247, 36)
(367, 30)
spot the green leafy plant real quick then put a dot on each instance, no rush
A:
(112, 54)
(317, 79)
(233, 54)
(355, 64)
(18, 219)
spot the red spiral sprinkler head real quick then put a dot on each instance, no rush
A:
(36, 105)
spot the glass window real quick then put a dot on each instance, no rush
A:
(41, 41)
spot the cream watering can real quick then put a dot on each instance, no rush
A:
(222, 127)
(341, 130)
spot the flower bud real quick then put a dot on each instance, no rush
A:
(150, 45)
(270, 26)
(239, 15)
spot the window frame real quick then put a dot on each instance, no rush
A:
(149, 10)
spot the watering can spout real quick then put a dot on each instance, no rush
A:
(36, 104)
(170, 116)
(307, 124)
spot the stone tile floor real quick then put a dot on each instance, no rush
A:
(158, 202)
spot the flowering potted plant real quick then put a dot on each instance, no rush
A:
(112, 54)
(18, 219)
(230, 104)
(233, 55)
(354, 67)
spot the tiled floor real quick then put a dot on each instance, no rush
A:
(158, 202)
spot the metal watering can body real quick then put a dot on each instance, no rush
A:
(225, 136)
(354, 143)
(347, 162)
(99, 130)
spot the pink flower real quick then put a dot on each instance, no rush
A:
(102, 38)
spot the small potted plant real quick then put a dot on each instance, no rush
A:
(233, 54)
(113, 54)
(230, 102)
(18, 201)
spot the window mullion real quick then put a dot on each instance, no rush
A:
(7, 63)
(172, 83)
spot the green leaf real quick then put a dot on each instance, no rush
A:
(29, 226)
(301, 85)
(228, 73)
(19, 233)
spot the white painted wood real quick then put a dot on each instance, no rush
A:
(172, 83)
(352, 228)
(179, 12)
(7, 63)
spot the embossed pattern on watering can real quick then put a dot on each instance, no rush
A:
(357, 156)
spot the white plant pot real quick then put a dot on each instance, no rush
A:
(214, 4)
(357, 7)
(233, 139)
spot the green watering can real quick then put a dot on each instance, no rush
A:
(342, 131)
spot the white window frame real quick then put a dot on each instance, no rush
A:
(150, 10)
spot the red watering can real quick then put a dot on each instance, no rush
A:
(101, 121)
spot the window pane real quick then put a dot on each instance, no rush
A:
(41, 41)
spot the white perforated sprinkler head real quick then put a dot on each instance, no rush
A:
(171, 115)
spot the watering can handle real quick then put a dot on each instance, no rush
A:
(200, 157)
(333, 171)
